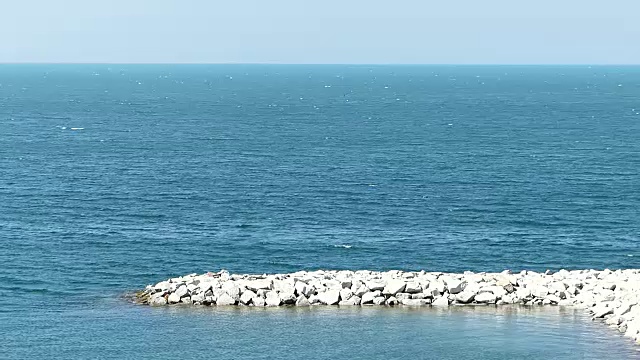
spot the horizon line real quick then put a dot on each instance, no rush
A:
(314, 64)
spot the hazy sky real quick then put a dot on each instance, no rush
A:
(321, 31)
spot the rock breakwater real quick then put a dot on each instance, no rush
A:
(613, 296)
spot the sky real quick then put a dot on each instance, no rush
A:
(321, 31)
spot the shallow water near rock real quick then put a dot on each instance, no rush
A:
(117, 176)
(116, 330)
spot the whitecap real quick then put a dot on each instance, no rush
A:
(342, 246)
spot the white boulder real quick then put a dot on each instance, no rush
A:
(391, 301)
(302, 301)
(379, 300)
(197, 298)
(413, 287)
(181, 291)
(367, 298)
(455, 285)
(162, 286)
(247, 296)
(352, 301)
(486, 298)
(599, 311)
(259, 284)
(465, 297)
(441, 301)
(225, 299)
(258, 301)
(345, 294)
(174, 298)
(272, 299)
(414, 302)
(329, 297)
(303, 289)
(374, 285)
(160, 300)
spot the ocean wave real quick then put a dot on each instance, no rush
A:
(343, 246)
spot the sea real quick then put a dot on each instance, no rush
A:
(116, 176)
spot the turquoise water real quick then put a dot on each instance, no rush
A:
(115, 176)
(130, 332)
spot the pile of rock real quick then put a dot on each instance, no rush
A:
(610, 295)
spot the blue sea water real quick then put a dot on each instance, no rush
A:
(116, 176)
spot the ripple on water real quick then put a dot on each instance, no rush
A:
(318, 332)
(521, 181)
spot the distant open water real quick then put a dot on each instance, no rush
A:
(115, 176)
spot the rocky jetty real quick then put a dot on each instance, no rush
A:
(613, 296)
